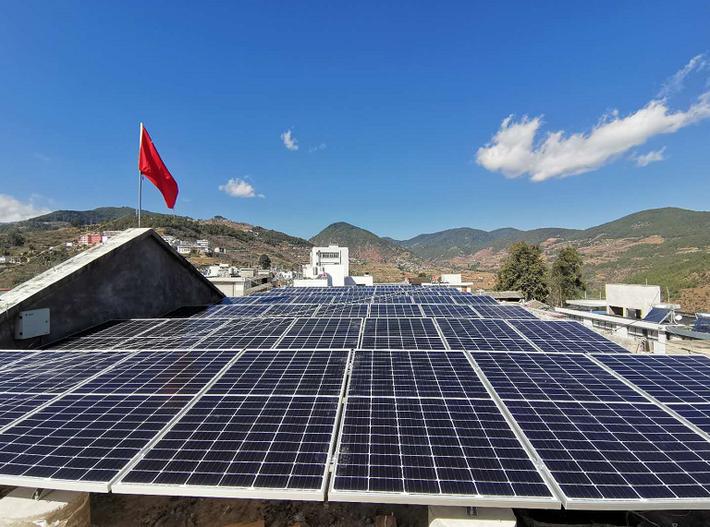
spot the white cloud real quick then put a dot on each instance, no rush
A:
(289, 141)
(513, 151)
(12, 209)
(674, 84)
(239, 188)
(643, 160)
(316, 148)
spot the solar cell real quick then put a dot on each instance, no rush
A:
(395, 310)
(11, 358)
(253, 326)
(305, 372)
(480, 334)
(82, 438)
(242, 446)
(557, 377)
(506, 312)
(126, 328)
(89, 343)
(343, 311)
(183, 327)
(329, 333)
(420, 298)
(15, 405)
(476, 299)
(696, 413)
(635, 453)
(414, 374)
(401, 333)
(702, 323)
(292, 310)
(564, 336)
(160, 373)
(668, 378)
(161, 343)
(237, 310)
(55, 371)
(392, 298)
(450, 448)
(448, 311)
(241, 299)
(657, 315)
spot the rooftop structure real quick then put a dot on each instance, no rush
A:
(384, 394)
(330, 266)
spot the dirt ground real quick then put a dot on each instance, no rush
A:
(115, 510)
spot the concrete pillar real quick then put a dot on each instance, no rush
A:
(660, 345)
(470, 517)
(58, 508)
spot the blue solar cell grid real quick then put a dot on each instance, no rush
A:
(668, 378)
(564, 336)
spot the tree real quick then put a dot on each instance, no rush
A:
(566, 276)
(524, 270)
(264, 261)
(15, 238)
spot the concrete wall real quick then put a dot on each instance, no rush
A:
(134, 275)
(631, 296)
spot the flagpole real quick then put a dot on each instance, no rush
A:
(140, 176)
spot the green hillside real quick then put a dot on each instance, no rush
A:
(363, 244)
(40, 243)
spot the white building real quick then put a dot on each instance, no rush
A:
(330, 266)
(623, 316)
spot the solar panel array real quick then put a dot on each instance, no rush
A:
(387, 394)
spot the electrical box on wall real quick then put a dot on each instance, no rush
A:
(32, 323)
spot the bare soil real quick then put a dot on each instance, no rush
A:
(115, 510)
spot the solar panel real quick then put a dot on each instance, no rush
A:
(479, 334)
(702, 323)
(89, 343)
(448, 311)
(556, 377)
(401, 333)
(183, 327)
(261, 333)
(459, 450)
(241, 446)
(126, 328)
(657, 315)
(292, 310)
(476, 299)
(241, 299)
(329, 333)
(392, 298)
(414, 374)
(266, 372)
(15, 405)
(161, 343)
(509, 312)
(160, 373)
(12, 358)
(82, 438)
(395, 310)
(421, 298)
(696, 413)
(55, 372)
(636, 454)
(668, 378)
(564, 336)
(236, 310)
(343, 311)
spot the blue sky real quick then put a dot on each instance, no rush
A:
(394, 109)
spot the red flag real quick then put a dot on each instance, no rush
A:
(152, 167)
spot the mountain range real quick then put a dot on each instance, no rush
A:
(667, 246)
